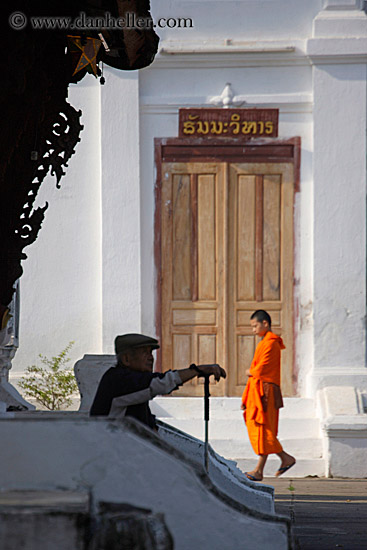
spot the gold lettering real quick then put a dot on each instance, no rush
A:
(253, 127)
(269, 127)
(201, 124)
(189, 126)
(245, 127)
(235, 118)
(216, 127)
(249, 127)
(194, 125)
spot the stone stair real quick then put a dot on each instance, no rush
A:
(299, 430)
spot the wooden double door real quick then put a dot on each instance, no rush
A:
(226, 250)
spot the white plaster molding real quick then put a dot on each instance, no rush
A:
(226, 98)
(346, 426)
(224, 46)
(340, 401)
(301, 108)
(340, 371)
(347, 432)
(226, 61)
(341, 18)
(287, 103)
(218, 55)
(333, 50)
(342, 377)
(343, 5)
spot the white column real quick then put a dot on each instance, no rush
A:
(343, 18)
(339, 166)
(121, 296)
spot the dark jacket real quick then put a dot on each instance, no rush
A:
(118, 381)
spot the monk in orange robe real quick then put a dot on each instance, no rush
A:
(262, 398)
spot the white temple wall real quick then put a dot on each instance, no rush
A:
(340, 216)
(239, 19)
(91, 272)
(121, 238)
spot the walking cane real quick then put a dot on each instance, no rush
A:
(206, 414)
(206, 419)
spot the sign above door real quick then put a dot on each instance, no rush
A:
(230, 123)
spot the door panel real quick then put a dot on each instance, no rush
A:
(244, 208)
(271, 237)
(261, 199)
(192, 268)
(206, 216)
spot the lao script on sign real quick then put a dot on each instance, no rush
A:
(248, 123)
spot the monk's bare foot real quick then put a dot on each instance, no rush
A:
(287, 462)
(254, 476)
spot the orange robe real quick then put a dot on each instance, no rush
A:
(262, 401)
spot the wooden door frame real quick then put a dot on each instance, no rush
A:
(237, 150)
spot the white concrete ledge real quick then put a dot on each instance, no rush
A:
(337, 50)
(123, 461)
(349, 427)
(344, 426)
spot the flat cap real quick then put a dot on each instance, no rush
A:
(128, 341)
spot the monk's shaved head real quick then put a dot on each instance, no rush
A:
(261, 315)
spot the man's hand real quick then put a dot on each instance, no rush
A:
(201, 370)
(215, 369)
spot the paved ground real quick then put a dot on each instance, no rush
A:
(327, 514)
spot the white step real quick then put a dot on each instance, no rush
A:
(236, 449)
(224, 407)
(298, 407)
(301, 428)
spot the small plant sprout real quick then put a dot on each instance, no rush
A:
(291, 488)
(291, 504)
(53, 385)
